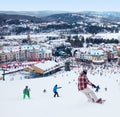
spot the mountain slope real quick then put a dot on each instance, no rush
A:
(19, 17)
(71, 103)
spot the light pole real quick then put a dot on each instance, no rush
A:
(19, 53)
(3, 73)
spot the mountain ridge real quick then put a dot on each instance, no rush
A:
(33, 13)
(61, 15)
(49, 12)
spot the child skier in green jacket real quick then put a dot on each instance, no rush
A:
(26, 92)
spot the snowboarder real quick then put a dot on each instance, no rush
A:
(55, 90)
(82, 86)
(26, 92)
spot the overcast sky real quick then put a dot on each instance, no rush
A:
(61, 5)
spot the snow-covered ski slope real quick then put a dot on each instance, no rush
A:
(71, 103)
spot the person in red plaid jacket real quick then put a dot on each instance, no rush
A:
(82, 86)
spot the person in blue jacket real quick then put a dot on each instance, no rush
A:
(55, 88)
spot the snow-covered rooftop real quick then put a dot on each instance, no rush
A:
(45, 65)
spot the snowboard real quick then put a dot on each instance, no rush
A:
(100, 101)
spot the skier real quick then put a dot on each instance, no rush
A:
(26, 92)
(55, 90)
(82, 86)
(105, 88)
(44, 91)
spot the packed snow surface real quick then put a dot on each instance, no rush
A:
(71, 103)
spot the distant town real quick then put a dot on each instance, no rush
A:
(87, 38)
